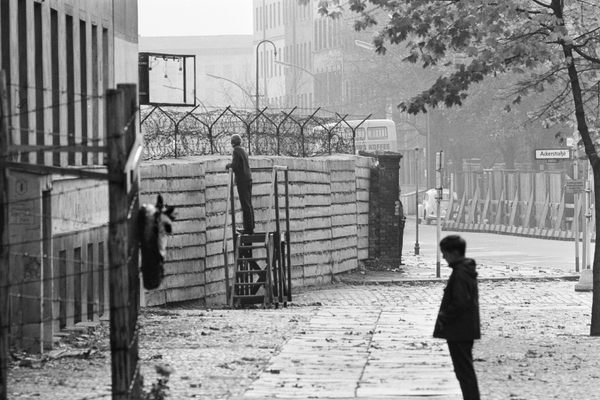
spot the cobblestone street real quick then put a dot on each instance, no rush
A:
(350, 341)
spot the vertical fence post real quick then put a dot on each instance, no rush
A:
(117, 247)
(4, 259)
(176, 135)
(131, 132)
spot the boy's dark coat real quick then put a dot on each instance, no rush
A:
(458, 318)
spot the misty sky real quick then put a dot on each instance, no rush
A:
(194, 17)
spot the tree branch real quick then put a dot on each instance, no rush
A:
(586, 56)
(539, 3)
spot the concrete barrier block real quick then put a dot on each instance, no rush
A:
(170, 168)
(314, 270)
(215, 274)
(172, 184)
(185, 240)
(344, 231)
(362, 253)
(185, 294)
(316, 246)
(316, 223)
(344, 220)
(155, 297)
(214, 288)
(192, 225)
(184, 266)
(185, 253)
(183, 279)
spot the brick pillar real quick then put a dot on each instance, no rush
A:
(384, 192)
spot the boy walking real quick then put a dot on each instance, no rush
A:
(458, 318)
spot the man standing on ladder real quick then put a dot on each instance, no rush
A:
(243, 181)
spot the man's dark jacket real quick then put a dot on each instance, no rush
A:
(458, 318)
(241, 165)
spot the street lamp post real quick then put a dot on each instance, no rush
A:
(275, 53)
(417, 200)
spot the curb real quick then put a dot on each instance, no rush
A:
(417, 281)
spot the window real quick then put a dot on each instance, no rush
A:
(23, 99)
(55, 83)
(83, 73)
(70, 88)
(39, 79)
(379, 146)
(278, 14)
(95, 91)
(379, 132)
(360, 133)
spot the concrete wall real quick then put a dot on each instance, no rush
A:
(328, 212)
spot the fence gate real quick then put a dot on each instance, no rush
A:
(32, 279)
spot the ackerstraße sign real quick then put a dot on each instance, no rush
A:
(552, 154)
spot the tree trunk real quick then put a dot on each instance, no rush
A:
(590, 151)
(592, 155)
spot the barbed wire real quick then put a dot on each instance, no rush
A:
(45, 89)
(54, 134)
(66, 103)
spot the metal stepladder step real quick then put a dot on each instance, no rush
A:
(253, 266)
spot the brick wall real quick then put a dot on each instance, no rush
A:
(384, 230)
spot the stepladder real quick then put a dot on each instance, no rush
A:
(261, 260)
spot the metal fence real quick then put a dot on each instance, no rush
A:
(171, 132)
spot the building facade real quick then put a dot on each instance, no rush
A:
(59, 57)
(324, 62)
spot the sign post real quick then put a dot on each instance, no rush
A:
(575, 186)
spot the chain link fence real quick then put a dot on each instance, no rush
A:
(172, 132)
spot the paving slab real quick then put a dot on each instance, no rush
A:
(393, 357)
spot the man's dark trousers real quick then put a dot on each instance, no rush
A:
(245, 194)
(462, 358)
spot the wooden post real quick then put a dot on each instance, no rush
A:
(461, 209)
(560, 213)
(544, 212)
(527, 216)
(4, 259)
(287, 236)
(486, 206)
(473, 207)
(513, 210)
(131, 131)
(118, 246)
(499, 209)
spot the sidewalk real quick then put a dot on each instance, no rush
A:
(422, 268)
(353, 341)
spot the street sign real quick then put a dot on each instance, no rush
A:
(439, 166)
(574, 186)
(552, 154)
